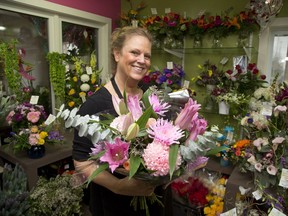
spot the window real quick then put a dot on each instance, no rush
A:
(43, 27)
(273, 50)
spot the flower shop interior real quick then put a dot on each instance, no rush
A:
(229, 57)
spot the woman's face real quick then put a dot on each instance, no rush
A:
(133, 61)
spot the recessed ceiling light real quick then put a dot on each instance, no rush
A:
(2, 28)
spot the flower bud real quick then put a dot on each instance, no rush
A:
(132, 132)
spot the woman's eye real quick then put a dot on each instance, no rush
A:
(135, 53)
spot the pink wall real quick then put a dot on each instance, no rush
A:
(107, 8)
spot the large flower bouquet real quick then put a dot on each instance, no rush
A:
(266, 153)
(210, 74)
(149, 139)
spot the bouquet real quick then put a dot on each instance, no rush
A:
(29, 128)
(25, 115)
(149, 139)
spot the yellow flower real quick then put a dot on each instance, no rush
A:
(93, 80)
(210, 73)
(71, 92)
(41, 141)
(75, 78)
(43, 134)
(82, 94)
(34, 129)
(71, 104)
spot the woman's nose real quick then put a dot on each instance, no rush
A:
(141, 58)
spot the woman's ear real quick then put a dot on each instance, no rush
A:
(116, 54)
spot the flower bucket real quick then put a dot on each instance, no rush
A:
(224, 108)
(36, 151)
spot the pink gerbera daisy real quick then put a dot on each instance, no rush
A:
(165, 132)
(116, 153)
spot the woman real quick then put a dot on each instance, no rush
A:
(111, 194)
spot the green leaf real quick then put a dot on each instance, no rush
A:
(135, 162)
(100, 169)
(216, 150)
(142, 121)
(173, 153)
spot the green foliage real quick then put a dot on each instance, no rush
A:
(14, 195)
(56, 196)
(9, 58)
(57, 74)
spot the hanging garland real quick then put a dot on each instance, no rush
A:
(57, 72)
(9, 57)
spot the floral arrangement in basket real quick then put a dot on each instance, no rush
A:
(153, 140)
(29, 128)
(265, 151)
(82, 80)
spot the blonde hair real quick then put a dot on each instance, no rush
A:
(119, 37)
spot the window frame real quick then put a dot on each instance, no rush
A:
(56, 14)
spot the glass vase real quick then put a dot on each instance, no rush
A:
(36, 151)
(243, 39)
(171, 42)
(216, 41)
(197, 41)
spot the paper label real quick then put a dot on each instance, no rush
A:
(167, 10)
(276, 212)
(231, 212)
(170, 65)
(284, 178)
(186, 84)
(34, 99)
(153, 11)
(257, 194)
(51, 118)
(89, 70)
(267, 109)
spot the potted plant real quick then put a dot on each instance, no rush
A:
(56, 196)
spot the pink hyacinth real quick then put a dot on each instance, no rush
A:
(156, 158)
(165, 132)
(33, 116)
(116, 153)
(159, 107)
(184, 118)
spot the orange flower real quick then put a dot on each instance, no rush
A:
(242, 143)
(126, 165)
(234, 22)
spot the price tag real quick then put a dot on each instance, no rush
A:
(186, 84)
(154, 11)
(34, 99)
(257, 194)
(267, 109)
(231, 212)
(276, 212)
(167, 10)
(284, 178)
(170, 65)
(51, 118)
(89, 70)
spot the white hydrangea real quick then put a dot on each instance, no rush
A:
(85, 78)
(85, 87)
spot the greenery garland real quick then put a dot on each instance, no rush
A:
(57, 72)
(9, 56)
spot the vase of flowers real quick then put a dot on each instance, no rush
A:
(30, 131)
(36, 151)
